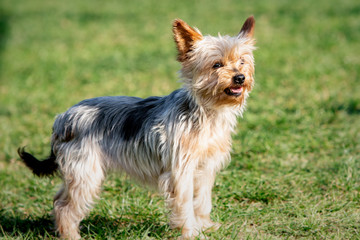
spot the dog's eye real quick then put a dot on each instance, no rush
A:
(217, 65)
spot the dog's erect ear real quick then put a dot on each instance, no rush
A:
(185, 37)
(247, 29)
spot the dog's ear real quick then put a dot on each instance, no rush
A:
(247, 29)
(185, 37)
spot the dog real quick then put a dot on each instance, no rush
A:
(177, 142)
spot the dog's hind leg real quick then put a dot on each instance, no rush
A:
(83, 177)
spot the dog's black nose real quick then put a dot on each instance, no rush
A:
(239, 79)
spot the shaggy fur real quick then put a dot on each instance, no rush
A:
(177, 142)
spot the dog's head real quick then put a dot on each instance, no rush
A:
(218, 71)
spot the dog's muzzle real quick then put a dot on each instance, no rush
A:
(237, 88)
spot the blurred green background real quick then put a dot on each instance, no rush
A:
(296, 156)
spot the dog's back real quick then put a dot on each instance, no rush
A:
(127, 131)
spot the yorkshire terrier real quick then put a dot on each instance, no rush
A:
(176, 142)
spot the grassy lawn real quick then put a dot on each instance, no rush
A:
(295, 170)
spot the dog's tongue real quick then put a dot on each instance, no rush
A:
(236, 90)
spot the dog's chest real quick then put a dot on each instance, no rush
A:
(215, 141)
(210, 141)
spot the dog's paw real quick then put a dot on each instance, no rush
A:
(211, 226)
(189, 234)
(207, 225)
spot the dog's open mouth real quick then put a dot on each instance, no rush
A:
(234, 91)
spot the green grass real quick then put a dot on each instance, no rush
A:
(295, 170)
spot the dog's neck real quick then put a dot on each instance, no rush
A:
(224, 115)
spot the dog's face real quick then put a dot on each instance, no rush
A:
(218, 70)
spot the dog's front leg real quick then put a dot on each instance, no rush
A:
(182, 206)
(203, 184)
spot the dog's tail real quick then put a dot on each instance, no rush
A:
(43, 168)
